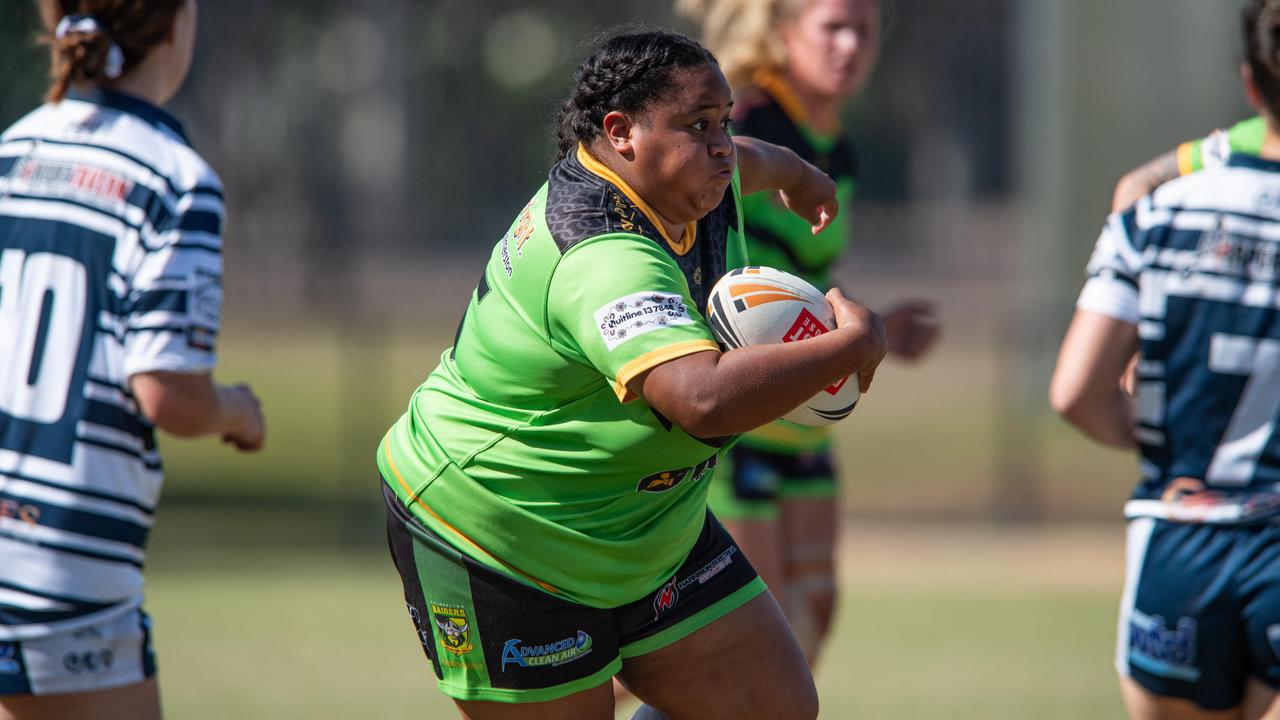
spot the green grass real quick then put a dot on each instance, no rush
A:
(272, 633)
(297, 613)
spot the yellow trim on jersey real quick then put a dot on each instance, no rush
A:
(1186, 158)
(391, 463)
(785, 95)
(690, 230)
(653, 359)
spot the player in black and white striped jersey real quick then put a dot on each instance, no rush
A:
(110, 301)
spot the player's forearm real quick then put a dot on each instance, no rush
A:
(764, 166)
(1105, 417)
(1144, 180)
(185, 404)
(718, 395)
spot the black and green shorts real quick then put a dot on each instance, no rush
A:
(750, 482)
(491, 637)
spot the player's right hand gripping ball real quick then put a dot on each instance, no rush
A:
(758, 305)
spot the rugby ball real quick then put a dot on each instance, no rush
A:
(759, 305)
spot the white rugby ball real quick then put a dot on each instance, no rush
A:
(758, 305)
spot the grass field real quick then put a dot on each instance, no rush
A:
(935, 621)
(274, 599)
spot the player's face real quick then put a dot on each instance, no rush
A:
(684, 156)
(832, 45)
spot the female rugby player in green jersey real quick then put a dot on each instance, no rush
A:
(794, 64)
(546, 489)
(1187, 278)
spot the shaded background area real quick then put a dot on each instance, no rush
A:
(374, 151)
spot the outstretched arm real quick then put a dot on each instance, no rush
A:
(805, 190)
(192, 405)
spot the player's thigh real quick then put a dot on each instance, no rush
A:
(1258, 583)
(592, 704)
(139, 701)
(1261, 702)
(745, 664)
(1142, 704)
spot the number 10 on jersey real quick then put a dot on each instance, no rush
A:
(42, 307)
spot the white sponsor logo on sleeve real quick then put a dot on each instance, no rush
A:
(204, 304)
(640, 313)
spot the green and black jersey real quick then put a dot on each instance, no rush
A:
(780, 239)
(1213, 151)
(524, 448)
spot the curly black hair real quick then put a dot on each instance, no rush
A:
(625, 74)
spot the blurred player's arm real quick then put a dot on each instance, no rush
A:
(1086, 389)
(1145, 179)
(193, 405)
(710, 394)
(805, 190)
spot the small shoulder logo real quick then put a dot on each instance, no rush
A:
(454, 627)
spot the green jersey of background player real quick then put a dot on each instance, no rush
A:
(1210, 151)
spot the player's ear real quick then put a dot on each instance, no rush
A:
(1251, 88)
(619, 133)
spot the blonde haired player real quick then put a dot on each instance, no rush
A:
(794, 64)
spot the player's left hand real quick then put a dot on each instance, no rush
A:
(812, 196)
(912, 327)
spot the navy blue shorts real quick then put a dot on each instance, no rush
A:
(1201, 610)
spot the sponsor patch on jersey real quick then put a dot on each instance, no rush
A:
(1224, 253)
(516, 652)
(662, 481)
(1216, 149)
(74, 179)
(12, 510)
(201, 338)
(667, 479)
(205, 292)
(454, 627)
(640, 313)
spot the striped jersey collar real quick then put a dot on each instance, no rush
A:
(132, 105)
